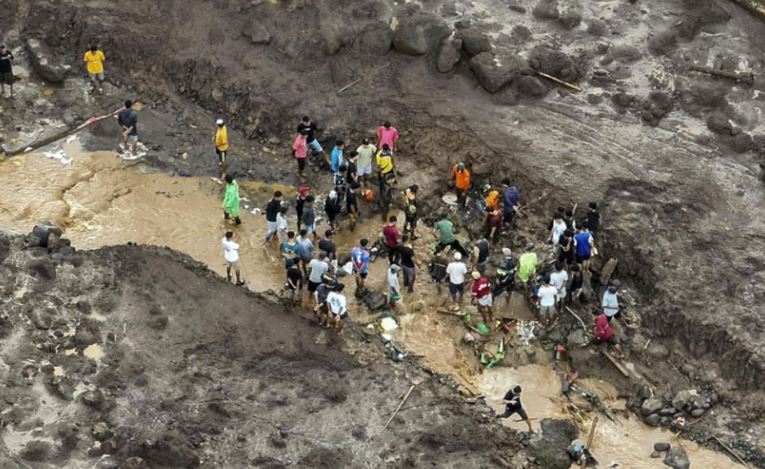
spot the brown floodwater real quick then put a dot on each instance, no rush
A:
(101, 200)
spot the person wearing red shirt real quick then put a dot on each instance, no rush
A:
(481, 290)
(604, 334)
(300, 151)
(392, 239)
(387, 134)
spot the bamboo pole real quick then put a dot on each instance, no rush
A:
(401, 404)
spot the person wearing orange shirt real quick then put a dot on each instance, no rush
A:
(461, 177)
(94, 62)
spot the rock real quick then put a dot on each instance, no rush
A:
(742, 142)
(374, 300)
(570, 19)
(677, 458)
(93, 398)
(171, 449)
(533, 87)
(417, 306)
(101, 431)
(655, 454)
(683, 398)
(257, 34)
(657, 351)
(335, 36)
(448, 54)
(653, 420)
(494, 73)
(663, 42)
(651, 406)
(474, 42)
(134, 463)
(546, 10)
(516, 7)
(550, 448)
(645, 392)
(576, 338)
(520, 34)
(597, 28)
(507, 97)
(44, 62)
(36, 451)
(553, 62)
(697, 412)
(661, 447)
(376, 38)
(667, 411)
(622, 54)
(419, 34)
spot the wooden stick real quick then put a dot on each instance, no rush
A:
(616, 364)
(559, 81)
(730, 450)
(745, 77)
(755, 6)
(401, 404)
(589, 441)
(354, 82)
(577, 316)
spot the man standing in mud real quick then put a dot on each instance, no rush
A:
(128, 120)
(231, 254)
(308, 128)
(366, 152)
(273, 209)
(6, 70)
(387, 135)
(360, 258)
(512, 401)
(220, 140)
(511, 201)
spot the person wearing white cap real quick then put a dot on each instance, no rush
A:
(220, 140)
(332, 208)
(481, 290)
(456, 271)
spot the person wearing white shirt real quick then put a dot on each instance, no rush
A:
(338, 310)
(559, 279)
(282, 225)
(231, 254)
(547, 295)
(456, 271)
(610, 303)
(558, 228)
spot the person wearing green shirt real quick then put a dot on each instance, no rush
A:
(231, 200)
(527, 265)
(444, 230)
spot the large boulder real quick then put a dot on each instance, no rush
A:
(553, 62)
(44, 61)
(496, 72)
(651, 406)
(677, 458)
(376, 38)
(475, 41)
(419, 34)
(448, 55)
(546, 10)
(551, 445)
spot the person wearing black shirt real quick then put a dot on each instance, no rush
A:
(593, 219)
(128, 120)
(406, 254)
(332, 208)
(6, 70)
(512, 401)
(410, 210)
(481, 254)
(294, 281)
(352, 205)
(272, 210)
(310, 129)
(327, 247)
(351, 168)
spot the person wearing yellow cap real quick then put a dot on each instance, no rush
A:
(220, 140)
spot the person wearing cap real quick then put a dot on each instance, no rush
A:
(444, 230)
(394, 289)
(300, 152)
(387, 135)
(410, 211)
(610, 303)
(220, 140)
(366, 152)
(461, 179)
(273, 208)
(384, 160)
(505, 279)
(481, 291)
(6, 70)
(230, 203)
(332, 208)
(294, 281)
(94, 63)
(456, 270)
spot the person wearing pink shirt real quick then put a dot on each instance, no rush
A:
(300, 151)
(387, 134)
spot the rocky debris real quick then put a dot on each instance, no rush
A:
(719, 123)
(376, 38)
(44, 62)
(257, 34)
(475, 41)
(597, 28)
(335, 36)
(93, 398)
(448, 54)
(622, 54)
(661, 447)
(546, 10)
(520, 34)
(374, 300)
(663, 42)
(677, 458)
(553, 62)
(169, 449)
(496, 72)
(531, 86)
(571, 17)
(651, 406)
(657, 351)
(657, 107)
(420, 34)
(515, 6)
(101, 431)
(37, 451)
(551, 445)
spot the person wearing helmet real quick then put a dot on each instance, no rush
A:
(461, 179)
(504, 282)
(220, 140)
(456, 270)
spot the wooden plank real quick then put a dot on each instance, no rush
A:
(608, 270)
(616, 363)
(755, 6)
(559, 81)
(583, 464)
(744, 77)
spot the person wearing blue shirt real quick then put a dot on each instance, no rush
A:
(584, 247)
(336, 159)
(360, 258)
(511, 201)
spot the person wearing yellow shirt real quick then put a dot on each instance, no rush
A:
(220, 140)
(94, 62)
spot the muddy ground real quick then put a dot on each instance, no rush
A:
(672, 156)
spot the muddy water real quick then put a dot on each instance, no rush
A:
(102, 200)
(629, 443)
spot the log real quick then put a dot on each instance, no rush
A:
(730, 450)
(583, 464)
(616, 364)
(401, 404)
(755, 6)
(744, 77)
(607, 271)
(578, 318)
(559, 81)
